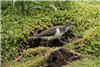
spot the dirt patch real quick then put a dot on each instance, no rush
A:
(41, 42)
(52, 57)
(62, 56)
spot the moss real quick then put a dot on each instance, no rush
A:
(33, 58)
(84, 63)
(18, 27)
(85, 15)
(90, 43)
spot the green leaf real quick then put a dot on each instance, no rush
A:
(52, 5)
(26, 7)
(37, 2)
(37, 7)
(20, 9)
(14, 2)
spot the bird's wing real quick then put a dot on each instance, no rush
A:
(48, 32)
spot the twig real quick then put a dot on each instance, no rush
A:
(62, 56)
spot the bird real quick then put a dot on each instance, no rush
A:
(54, 32)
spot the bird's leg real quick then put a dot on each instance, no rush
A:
(62, 41)
(47, 42)
(42, 42)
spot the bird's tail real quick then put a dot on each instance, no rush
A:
(32, 37)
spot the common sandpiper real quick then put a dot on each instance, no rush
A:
(54, 32)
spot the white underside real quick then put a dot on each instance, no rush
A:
(52, 37)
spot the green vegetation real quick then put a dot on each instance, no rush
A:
(26, 18)
(38, 54)
(85, 63)
(90, 42)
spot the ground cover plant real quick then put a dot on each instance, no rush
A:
(23, 19)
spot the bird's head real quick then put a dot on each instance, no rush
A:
(69, 23)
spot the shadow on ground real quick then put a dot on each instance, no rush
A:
(37, 42)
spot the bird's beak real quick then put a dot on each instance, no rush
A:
(75, 25)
